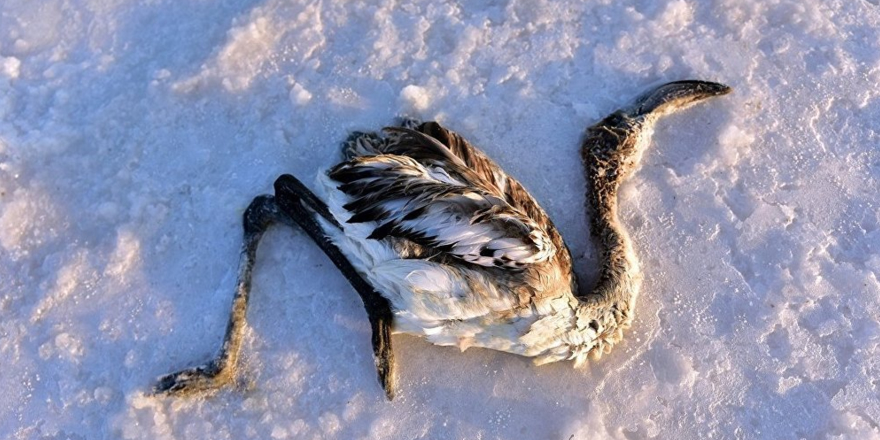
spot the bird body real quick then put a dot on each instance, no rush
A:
(469, 260)
(440, 242)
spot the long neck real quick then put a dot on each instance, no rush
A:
(619, 265)
(609, 155)
(611, 151)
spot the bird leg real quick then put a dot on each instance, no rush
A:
(288, 193)
(260, 214)
(293, 204)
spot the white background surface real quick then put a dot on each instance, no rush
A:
(134, 134)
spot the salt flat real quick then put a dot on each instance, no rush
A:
(134, 134)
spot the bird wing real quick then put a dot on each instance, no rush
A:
(436, 207)
(432, 142)
(471, 158)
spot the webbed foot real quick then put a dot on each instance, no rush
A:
(201, 379)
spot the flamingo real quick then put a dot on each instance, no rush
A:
(440, 242)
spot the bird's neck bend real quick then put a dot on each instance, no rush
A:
(609, 154)
(611, 151)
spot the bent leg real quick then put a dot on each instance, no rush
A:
(295, 200)
(293, 205)
(220, 371)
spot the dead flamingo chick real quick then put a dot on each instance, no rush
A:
(440, 242)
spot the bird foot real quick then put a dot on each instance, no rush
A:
(204, 378)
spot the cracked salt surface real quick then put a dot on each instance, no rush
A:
(133, 135)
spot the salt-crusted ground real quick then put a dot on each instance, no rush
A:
(133, 135)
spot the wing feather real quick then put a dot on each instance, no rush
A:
(439, 209)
